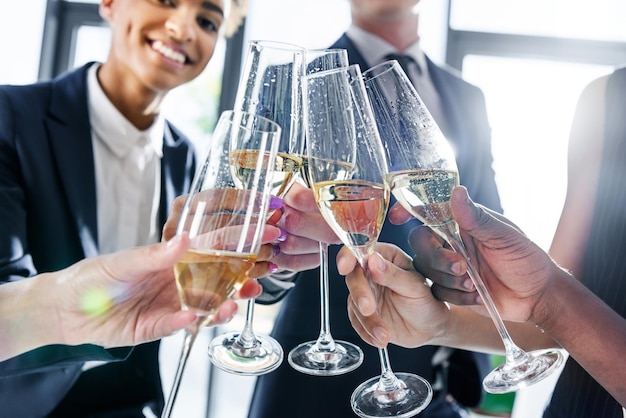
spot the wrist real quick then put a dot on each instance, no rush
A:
(27, 322)
(44, 304)
(443, 332)
(553, 298)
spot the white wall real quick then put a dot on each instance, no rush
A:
(318, 23)
(21, 27)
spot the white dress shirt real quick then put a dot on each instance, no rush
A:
(128, 173)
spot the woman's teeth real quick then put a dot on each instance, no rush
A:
(168, 52)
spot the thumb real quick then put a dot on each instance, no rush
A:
(474, 220)
(485, 227)
(134, 262)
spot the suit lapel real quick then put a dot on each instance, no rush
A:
(177, 169)
(354, 56)
(448, 102)
(69, 133)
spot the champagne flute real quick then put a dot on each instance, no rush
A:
(347, 168)
(422, 174)
(324, 356)
(270, 87)
(224, 221)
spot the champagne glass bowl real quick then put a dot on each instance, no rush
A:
(225, 221)
(270, 87)
(324, 356)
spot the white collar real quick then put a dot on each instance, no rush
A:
(374, 49)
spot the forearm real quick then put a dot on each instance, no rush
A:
(474, 331)
(28, 318)
(592, 333)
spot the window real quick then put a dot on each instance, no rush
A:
(600, 20)
(532, 59)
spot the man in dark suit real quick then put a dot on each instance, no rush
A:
(381, 28)
(88, 166)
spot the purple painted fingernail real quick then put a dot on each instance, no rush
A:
(276, 202)
(273, 268)
(276, 251)
(283, 236)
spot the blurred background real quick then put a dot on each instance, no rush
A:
(531, 58)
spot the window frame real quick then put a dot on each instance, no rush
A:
(63, 18)
(461, 43)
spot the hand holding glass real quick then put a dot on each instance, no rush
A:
(422, 174)
(346, 168)
(225, 222)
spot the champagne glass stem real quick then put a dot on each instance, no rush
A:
(388, 381)
(191, 332)
(390, 394)
(325, 356)
(514, 354)
(246, 338)
(243, 352)
(325, 340)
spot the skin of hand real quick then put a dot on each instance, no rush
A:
(304, 227)
(120, 299)
(514, 269)
(436, 260)
(525, 284)
(528, 286)
(404, 310)
(501, 253)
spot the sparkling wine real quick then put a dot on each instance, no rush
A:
(354, 209)
(426, 194)
(338, 170)
(206, 279)
(285, 172)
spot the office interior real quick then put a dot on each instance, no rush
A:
(531, 59)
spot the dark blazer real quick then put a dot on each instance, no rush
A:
(577, 394)
(48, 221)
(286, 392)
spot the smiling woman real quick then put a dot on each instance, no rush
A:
(107, 117)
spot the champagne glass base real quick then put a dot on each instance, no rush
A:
(509, 378)
(311, 359)
(369, 402)
(226, 353)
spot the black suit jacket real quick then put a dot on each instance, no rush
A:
(48, 221)
(288, 393)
